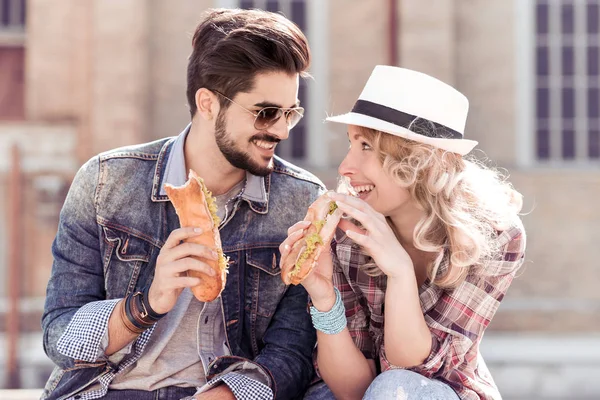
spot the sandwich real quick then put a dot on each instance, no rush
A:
(195, 206)
(324, 216)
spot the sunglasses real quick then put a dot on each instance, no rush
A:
(268, 116)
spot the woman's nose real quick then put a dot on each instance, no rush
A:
(347, 166)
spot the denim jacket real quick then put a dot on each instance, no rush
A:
(112, 227)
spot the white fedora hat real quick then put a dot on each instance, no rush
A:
(414, 106)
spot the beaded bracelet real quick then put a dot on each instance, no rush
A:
(332, 321)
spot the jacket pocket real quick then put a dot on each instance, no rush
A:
(265, 259)
(127, 246)
(125, 258)
(264, 290)
(264, 279)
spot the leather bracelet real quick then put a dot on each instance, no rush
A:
(153, 315)
(134, 313)
(140, 312)
(137, 310)
(125, 320)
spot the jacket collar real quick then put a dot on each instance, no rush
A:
(170, 168)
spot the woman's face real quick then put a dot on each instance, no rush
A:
(362, 168)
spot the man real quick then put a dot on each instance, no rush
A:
(119, 239)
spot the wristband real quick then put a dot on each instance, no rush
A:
(147, 311)
(332, 321)
(133, 313)
(127, 319)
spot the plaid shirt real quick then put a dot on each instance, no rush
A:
(456, 318)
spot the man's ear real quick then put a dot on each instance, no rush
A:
(206, 104)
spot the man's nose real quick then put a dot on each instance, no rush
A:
(280, 128)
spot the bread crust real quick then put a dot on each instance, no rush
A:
(191, 205)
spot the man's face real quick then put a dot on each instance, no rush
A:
(242, 145)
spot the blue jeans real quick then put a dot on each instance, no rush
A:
(168, 393)
(393, 384)
(319, 391)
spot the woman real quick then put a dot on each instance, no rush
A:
(432, 243)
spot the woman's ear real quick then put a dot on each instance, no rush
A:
(206, 104)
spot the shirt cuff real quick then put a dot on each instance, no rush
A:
(83, 336)
(117, 356)
(247, 382)
(244, 387)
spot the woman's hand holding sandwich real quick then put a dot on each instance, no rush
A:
(376, 237)
(318, 283)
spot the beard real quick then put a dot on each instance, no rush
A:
(238, 157)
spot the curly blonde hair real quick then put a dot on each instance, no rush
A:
(465, 203)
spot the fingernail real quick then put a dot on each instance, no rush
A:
(198, 230)
(330, 195)
(286, 247)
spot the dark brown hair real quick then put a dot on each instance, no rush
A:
(231, 46)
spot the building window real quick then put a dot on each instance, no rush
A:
(12, 15)
(567, 81)
(12, 59)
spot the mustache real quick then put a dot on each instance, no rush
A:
(266, 138)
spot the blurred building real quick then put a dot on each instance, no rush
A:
(81, 77)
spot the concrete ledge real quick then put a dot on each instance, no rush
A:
(525, 367)
(544, 367)
(540, 348)
(20, 394)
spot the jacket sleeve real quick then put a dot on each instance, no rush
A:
(286, 358)
(289, 341)
(76, 311)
